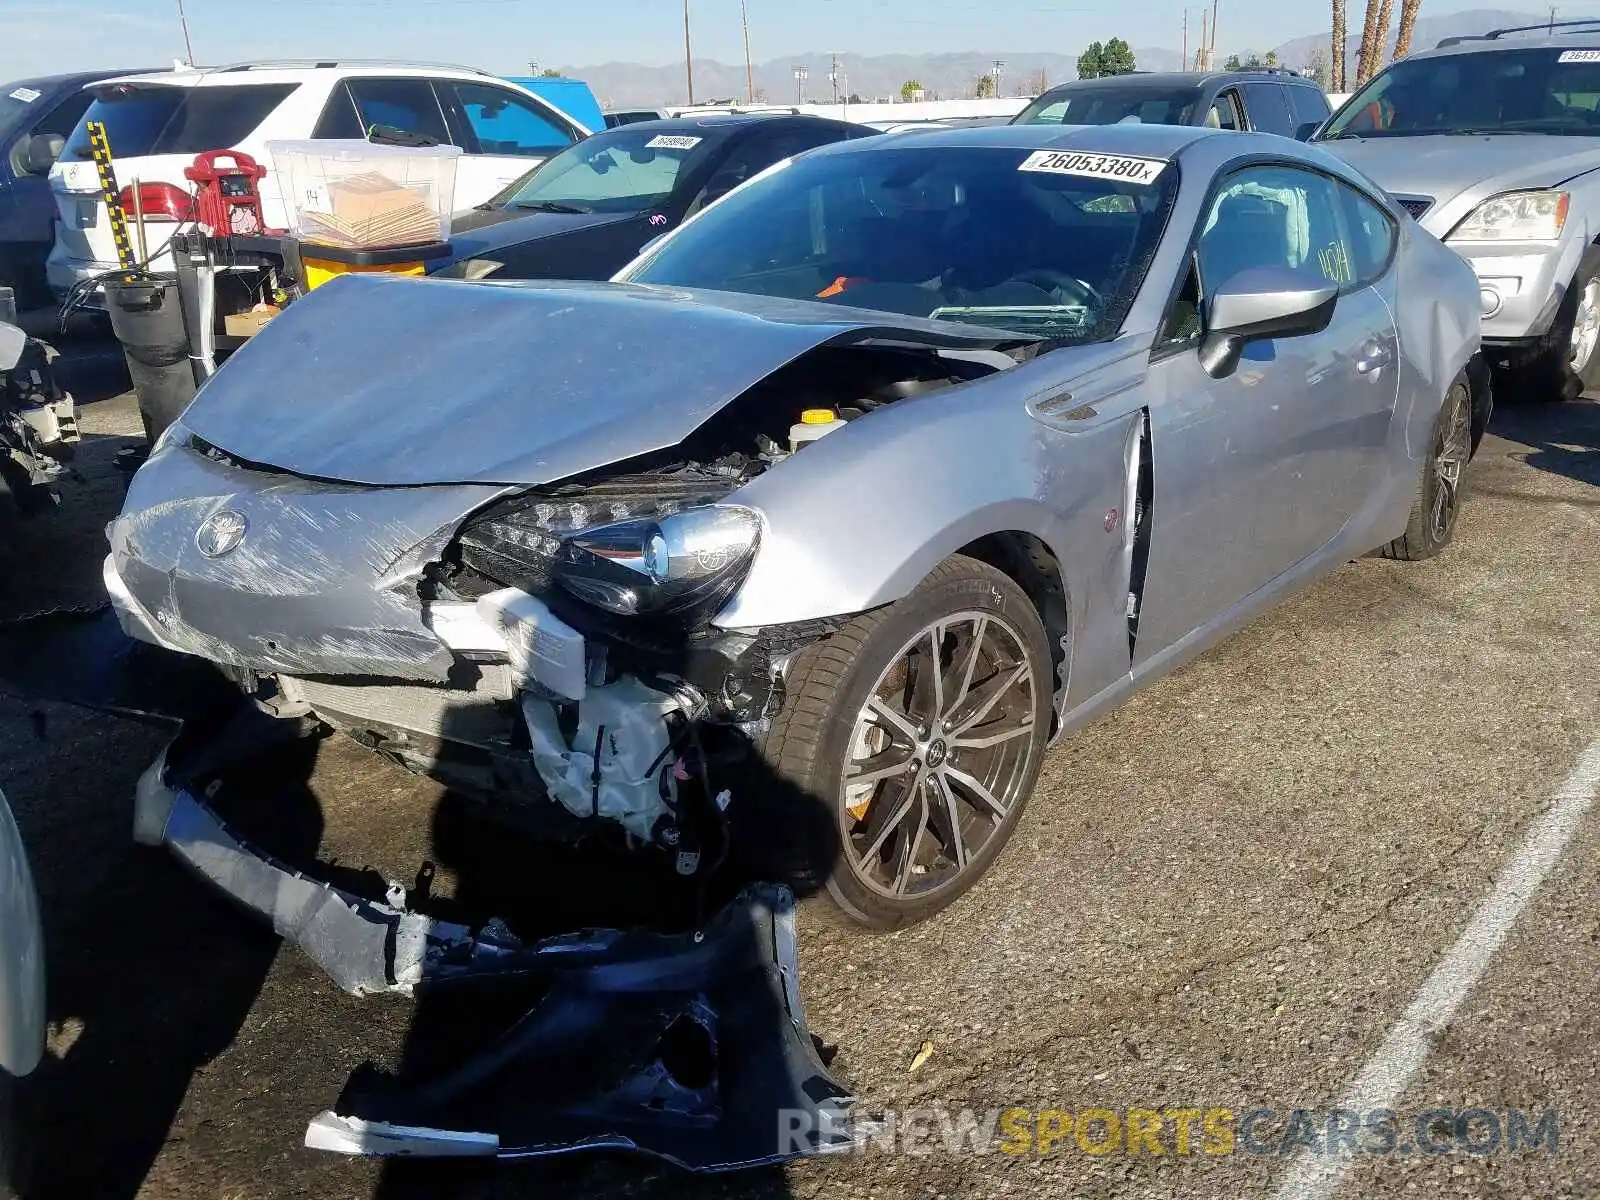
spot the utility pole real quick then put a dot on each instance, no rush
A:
(800, 74)
(999, 66)
(1552, 18)
(1200, 54)
(1186, 39)
(183, 20)
(1211, 46)
(688, 57)
(749, 72)
(833, 75)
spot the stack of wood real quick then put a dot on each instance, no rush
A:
(371, 210)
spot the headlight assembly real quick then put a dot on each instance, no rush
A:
(1515, 217)
(470, 268)
(690, 560)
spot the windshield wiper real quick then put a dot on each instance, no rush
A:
(550, 206)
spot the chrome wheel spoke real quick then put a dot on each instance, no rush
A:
(978, 795)
(893, 722)
(955, 847)
(911, 843)
(935, 652)
(996, 687)
(896, 818)
(993, 739)
(886, 764)
(974, 656)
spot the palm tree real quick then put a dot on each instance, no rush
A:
(1336, 58)
(1366, 57)
(1408, 23)
(1380, 40)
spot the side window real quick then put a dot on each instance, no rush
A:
(65, 118)
(749, 156)
(408, 105)
(1269, 112)
(1053, 114)
(1309, 105)
(1275, 216)
(506, 123)
(1224, 112)
(339, 118)
(1372, 235)
(1182, 324)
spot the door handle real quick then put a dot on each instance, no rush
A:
(1375, 355)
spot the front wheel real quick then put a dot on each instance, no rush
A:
(919, 729)
(1566, 362)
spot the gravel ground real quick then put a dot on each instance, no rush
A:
(1222, 896)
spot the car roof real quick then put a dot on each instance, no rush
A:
(299, 71)
(728, 121)
(1163, 141)
(1489, 43)
(1167, 80)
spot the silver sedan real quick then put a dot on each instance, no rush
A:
(820, 522)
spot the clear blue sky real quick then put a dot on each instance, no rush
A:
(37, 37)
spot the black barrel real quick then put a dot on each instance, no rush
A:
(148, 321)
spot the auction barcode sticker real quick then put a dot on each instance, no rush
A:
(1579, 56)
(26, 94)
(1096, 166)
(672, 141)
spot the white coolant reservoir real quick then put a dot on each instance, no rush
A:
(814, 422)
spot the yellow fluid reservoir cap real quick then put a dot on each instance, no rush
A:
(817, 416)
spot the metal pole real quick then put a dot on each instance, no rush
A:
(1186, 39)
(749, 73)
(1200, 54)
(688, 58)
(1211, 47)
(138, 222)
(183, 20)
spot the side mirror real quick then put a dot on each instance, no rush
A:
(12, 342)
(1261, 303)
(41, 153)
(1304, 132)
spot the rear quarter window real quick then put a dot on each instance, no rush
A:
(142, 120)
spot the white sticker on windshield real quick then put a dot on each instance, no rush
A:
(1579, 56)
(672, 141)
(1096, 166)
(26, 95)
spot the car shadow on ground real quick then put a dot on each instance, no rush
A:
(1563, 439)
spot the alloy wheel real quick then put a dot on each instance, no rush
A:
(1586, 326)
(941, 753)
(1452, 448)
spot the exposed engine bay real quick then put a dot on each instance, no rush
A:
(589, 694)
(38, 424)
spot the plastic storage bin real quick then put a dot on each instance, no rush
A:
(363, 195)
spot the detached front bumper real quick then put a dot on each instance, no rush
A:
(690, 1047)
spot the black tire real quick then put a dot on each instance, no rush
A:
(1442, 488)
(1550, 372)
(15, 1139)
(812, 739)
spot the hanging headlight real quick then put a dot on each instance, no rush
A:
(1515, 217)
(691, 560)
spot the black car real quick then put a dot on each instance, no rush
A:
(586, 212)
(1269, 100)
(36, 116)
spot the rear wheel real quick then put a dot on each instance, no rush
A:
(919, 729)
(1440, 492)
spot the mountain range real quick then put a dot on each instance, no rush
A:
(952, 76)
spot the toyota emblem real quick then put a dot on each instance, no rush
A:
(220, 533)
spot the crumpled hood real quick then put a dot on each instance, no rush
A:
(1446, 166)
(400, 382)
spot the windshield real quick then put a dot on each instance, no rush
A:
(17, 99)
(621, 170)
(1502, 91)
(1111, 104)
(1052, 243)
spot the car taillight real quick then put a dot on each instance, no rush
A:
(158, 202)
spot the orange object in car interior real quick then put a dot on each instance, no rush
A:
(839, 285)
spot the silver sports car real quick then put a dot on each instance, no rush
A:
(908, 456)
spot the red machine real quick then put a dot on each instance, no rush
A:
(228, 199)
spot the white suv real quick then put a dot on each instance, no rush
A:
(157, 123)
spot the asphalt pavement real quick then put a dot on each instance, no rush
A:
(1345, 855)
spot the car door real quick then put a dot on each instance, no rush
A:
(32, 216)
(1259, 470)
(502, 133)
(1266, 110)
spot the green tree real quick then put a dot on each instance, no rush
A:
(1251, 61)
(909, 90)
(985, 87)
(1319, 69)
(1117, 58)
(550, 73)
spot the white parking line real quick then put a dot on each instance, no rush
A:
(1387, 1072)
